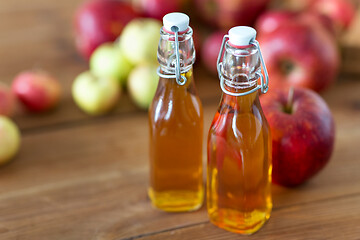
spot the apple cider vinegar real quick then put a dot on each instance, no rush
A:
(239, 142)
(176, 125)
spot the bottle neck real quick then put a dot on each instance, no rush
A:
(238, 71)
(240, 66)
(167, 54)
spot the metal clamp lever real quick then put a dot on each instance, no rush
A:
(264, 85)
(180, 79)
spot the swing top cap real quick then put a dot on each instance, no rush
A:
(241, 35)
(180, 20)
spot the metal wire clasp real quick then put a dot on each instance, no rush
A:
(264, 80)
(180, 79)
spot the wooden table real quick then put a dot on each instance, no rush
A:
(78, 177)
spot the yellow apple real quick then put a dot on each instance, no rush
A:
(9, 139)
(139, 40)
(142, 84)
(109, 61)
(95, 95)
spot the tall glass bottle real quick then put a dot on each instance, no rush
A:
(176, 122)
(239, 143)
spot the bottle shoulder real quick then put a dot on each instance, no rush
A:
(239, 123)
(177, 106)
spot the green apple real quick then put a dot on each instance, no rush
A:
(142, 84)
(139, 40)
(9, 139)
(109, 61)
(95, 95)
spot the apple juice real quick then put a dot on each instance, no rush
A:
(176, 131)
(239, 147)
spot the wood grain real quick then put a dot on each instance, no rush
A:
(89, 180)
(332, 220)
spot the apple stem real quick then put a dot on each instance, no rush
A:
(290, 100)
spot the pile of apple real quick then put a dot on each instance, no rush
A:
(299, 43)
(119, 38)
(37, 91)
(121, 45)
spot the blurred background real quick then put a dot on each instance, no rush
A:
(58, 39)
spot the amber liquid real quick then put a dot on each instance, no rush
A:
(239, 165)
(176, 131)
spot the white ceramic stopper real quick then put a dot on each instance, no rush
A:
(179, 20)
(241, 35)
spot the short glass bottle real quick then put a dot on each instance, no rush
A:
(239, 143)
(176, 126)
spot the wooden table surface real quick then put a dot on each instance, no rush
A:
(78, 177)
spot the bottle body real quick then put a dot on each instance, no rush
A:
(176, 134)
(239, 166)
(239, 148)
(176, 131)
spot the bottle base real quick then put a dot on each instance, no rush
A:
(176, 201)
(245, 223)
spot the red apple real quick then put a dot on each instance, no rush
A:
(7, 100)
(37, 90)
(271, 20)
(342, 12)
(100, 21)
(198, 41)
(300, 53)
(210, 50)
(158, 8)
(302, 130)
(325, 21)
(230, 13)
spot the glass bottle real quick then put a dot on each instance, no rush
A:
(239, 143)
(176, 122)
